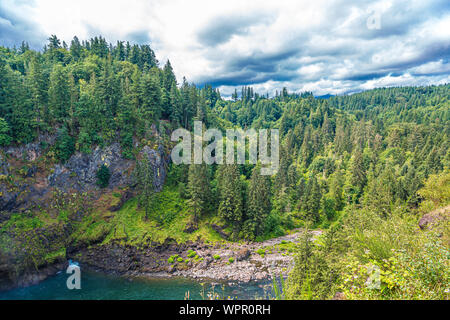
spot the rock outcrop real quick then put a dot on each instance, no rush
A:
(433, 217)
(27, 184)
(80, 171)
(78, 174)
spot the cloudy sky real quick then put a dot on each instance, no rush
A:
(327, 47)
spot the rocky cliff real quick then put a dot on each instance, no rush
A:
(31, 184)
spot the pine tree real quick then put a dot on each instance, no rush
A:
(259, 196)
(58, 93)
(38, 92)
(76, 49)
(126, 119)
(144, 175)
(358, 174)
(336, 190)
(199, 189)
(150, 97)
(5, 138)
(231, 202)
(176, 115)
(312, 198)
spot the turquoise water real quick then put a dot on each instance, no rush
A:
(99, 286)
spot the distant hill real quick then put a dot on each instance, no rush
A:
(325, 96)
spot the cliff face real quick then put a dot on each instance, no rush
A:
(78, 174)
(29, 185)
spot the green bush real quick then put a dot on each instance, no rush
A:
(103, 176)
(231, 260)
(5, 139)
(65, 145)
(191, 254)
(216, 257)
(407, 263)
(171, 259)
(261, 252)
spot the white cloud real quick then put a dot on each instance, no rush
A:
(433, 67)
(320, 46)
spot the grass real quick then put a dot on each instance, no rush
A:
(19, 238)
(167, 220)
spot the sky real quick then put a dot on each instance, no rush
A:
(326, 47)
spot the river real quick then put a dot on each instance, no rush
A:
(100, 286)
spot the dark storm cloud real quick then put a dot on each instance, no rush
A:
(248, 78)
(221, 29)
(14, 28)
(343, 47)
(261, 62)
(258, 68)
(367, 76)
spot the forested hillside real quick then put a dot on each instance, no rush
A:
(365, 167)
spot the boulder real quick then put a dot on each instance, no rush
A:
(339, 296)
(431, 218)
(172, 269)
(191, 227)
(242, 254)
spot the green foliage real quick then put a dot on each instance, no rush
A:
(373, 256)
(312, 277)
(144, 176)
(231, 201)
(199, 189)
(191, 253)
(103, 176)
(173, 258)
(261, 252)
(258, 202)
(65, 145)
(278, 289)
(436, 191)
(5, 138)
(362, 166)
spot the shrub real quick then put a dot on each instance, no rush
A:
(65, 145)
(172, 259)
(231, 260)
(103, 176)
(191, 254)
(5, 139)
(216, 257)
(261, 252)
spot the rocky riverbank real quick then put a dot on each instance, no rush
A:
(236, 262)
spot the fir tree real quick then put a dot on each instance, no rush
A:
(259, 205)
